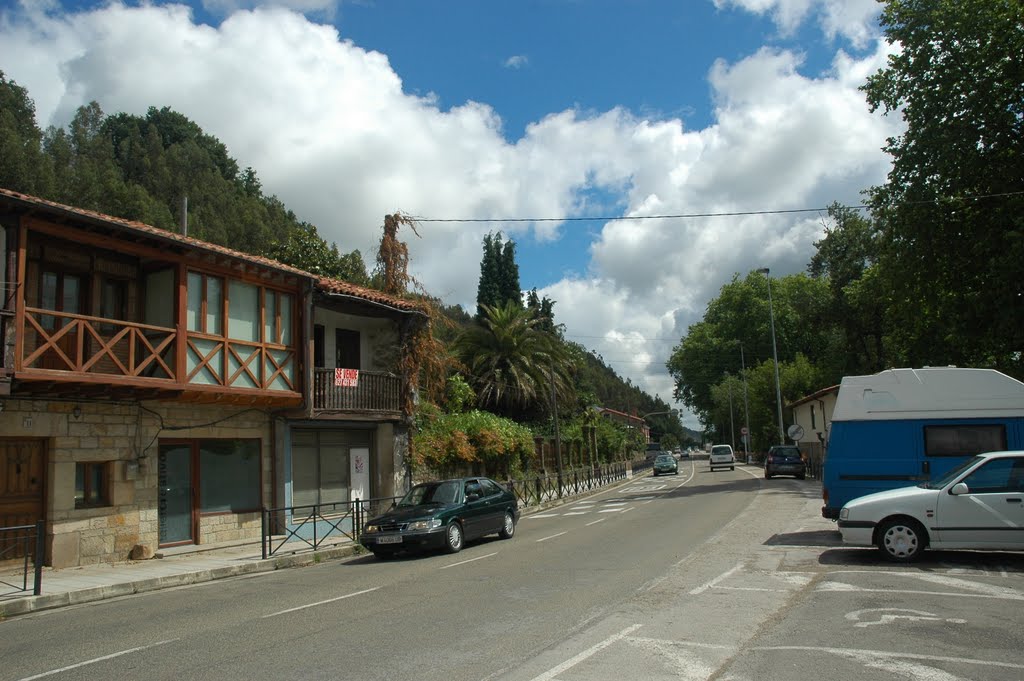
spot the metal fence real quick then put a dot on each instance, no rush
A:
(23, 543)
(294, 528)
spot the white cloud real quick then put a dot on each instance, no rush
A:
(855, 20)
(331, 132)
(516, 62)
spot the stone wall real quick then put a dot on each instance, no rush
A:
(125, 437)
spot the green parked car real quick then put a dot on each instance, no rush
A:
(666, 463)
(443, 514)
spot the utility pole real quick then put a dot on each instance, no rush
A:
(746, 409)
(775, 355)
(732, 426)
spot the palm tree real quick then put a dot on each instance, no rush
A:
(512, 363)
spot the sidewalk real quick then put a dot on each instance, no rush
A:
(177, 567)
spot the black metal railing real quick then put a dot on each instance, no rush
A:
(295, 528)
(539, 489)
(23, 543)
(375, 392)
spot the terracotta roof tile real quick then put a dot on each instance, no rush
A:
(327, 284)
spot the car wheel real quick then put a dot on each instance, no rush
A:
(508, 528)
(453, 538)
(732, 468)
(901, 539)
(767, 476)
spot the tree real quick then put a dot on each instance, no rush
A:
(952, 211)
(23, 166)
(499, 275)
(511, 364)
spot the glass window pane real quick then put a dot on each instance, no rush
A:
(269, 314)
(48, 298)
(195, 301)
(243, 312)
(79, 484)
(214, 306)
(229, 475)
(72, 294)
(286, 319)
(963, 440)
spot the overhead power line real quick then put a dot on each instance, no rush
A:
(725, 214)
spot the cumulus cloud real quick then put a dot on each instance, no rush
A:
(850, 19)
(331, 131)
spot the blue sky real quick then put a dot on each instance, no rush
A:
(489, 110)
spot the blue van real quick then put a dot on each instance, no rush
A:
(901, 427)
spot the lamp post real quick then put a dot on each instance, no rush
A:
(746, 408)
(775, 354)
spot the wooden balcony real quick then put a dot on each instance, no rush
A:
(377, 393)
(58, 348)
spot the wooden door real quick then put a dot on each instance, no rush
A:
(22, 490)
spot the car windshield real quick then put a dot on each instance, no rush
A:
(950, 476)
(664, 458)
(445, 492)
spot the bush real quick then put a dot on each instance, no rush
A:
(474, 440)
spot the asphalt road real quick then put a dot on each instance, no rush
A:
(703, 575)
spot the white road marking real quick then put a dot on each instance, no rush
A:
(313, 605)
(577, 513)
(843, 587)
(552, 536)
(589, 652)
(610, 510)
(615, 503)
(463, 562)
(599, 520)
(890, 615)
(725, 575)
(543, 515)
(98, 659)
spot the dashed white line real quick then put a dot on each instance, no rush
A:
(599, 520)
(576, 513)
(543, 515)
(97, 659)
(463, 562)
(552, 536)
(329, 600)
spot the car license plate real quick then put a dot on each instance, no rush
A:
(390, 539)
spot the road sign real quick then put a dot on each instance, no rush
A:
(743, 430)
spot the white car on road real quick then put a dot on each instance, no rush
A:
(722, 457)
(977, 505)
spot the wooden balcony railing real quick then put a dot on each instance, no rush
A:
(376, 392)
(59, 341)
(92, 345)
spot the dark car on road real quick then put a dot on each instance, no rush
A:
(443, 514)
(784, 460)
(665, 464)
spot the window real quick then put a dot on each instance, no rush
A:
(61, 292)
(318, 346)
(346, 349)
(243, 311)
(92, 484)
(112, 303)
(229, 476)
(813, 426)
(490, 487)
(277, 322)
(1000, 475)
(964, 440)
(205, 313)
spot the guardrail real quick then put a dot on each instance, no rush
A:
(543, 488)
(310, 526)
(24, 542)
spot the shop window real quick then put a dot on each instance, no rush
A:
(229, 476)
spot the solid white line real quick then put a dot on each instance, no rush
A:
(98, 659)
(573, 661)
(552, 536)
(463, 562)
(329, 600)
(599, 520)
(725, 575)
(840, 587)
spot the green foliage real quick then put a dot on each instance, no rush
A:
(512, 364)
(951, 215)
(450, 443)
(499, 275)
(23, 167)
(458, 395)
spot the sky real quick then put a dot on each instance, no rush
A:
(489, 112)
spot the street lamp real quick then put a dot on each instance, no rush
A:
(775, 355)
